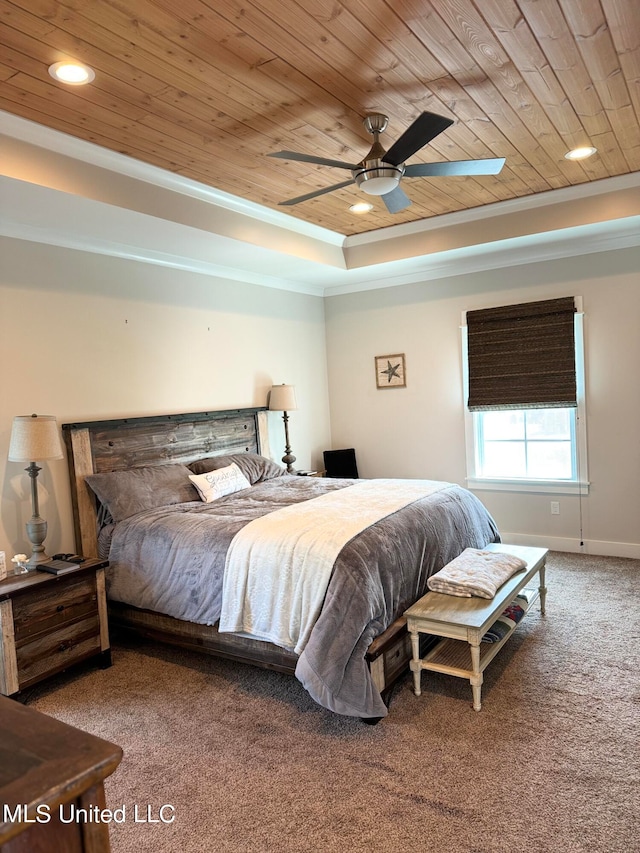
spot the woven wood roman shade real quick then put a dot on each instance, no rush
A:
(522, 356)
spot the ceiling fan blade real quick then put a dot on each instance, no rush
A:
(490, 166)
(309, 158)
(396, 200)
(425, 128)
(316, 193)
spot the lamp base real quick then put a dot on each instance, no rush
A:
(37, 533)
(288, 459)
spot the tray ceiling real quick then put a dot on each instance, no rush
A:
(207, 89)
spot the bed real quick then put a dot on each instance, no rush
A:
(138, 487)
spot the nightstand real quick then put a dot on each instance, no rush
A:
(50, 622)
(52, 784)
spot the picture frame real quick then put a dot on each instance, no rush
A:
(390, 371)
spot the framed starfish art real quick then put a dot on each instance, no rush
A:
(390, 371)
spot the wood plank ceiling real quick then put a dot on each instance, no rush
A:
(206, 88)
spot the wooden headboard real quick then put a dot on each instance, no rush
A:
(115, 445)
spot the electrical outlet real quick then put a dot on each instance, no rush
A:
(555, 507)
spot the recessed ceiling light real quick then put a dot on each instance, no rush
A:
(580, 153)
(361, 207)
(73, 73)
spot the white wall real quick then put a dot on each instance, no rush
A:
(418, 431)
(85, 336)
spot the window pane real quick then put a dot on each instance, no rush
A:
(549, 423)
(549, 460)
(504, 459)
(535, 444)
(503, 425)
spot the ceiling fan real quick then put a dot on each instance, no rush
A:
(380, 171)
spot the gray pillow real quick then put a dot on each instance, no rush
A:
(254, 467)
(124, 493)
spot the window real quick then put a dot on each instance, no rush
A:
(530, 444)
(527, 447)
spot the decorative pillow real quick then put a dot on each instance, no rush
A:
(223, 481)
(124, 493)
(256, 468)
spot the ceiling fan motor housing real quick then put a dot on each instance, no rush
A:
(373, 175)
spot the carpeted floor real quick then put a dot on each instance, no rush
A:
(250, 763)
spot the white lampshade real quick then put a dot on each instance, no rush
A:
(34, 438)
(282, 398)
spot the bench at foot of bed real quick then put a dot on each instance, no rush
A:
(463, 622)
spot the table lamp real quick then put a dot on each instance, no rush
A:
(282, 398)
(35, 438)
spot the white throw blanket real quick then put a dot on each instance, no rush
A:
(475, 573)
(278, 566)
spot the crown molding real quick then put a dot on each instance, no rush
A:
(181, 225)
(499, 208)
(88, 152)
(514, 252)
(43, 215)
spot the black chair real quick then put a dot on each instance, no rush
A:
(340, 463)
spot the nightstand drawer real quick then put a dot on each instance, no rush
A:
(57, 605)
(57, 649)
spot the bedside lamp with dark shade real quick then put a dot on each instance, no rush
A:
(282, 398)
(35, 438)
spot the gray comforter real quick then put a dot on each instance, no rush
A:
(171, 560)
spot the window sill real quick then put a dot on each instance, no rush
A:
(547, 487)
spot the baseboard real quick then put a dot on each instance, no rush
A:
(591, 546)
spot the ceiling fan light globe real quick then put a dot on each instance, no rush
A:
(378, 180)
(379, 186)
